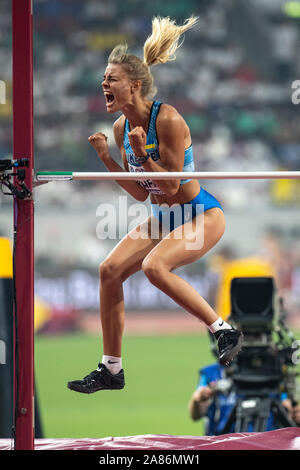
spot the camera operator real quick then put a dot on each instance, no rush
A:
(293, 411)
(210, 403)
(214, 399)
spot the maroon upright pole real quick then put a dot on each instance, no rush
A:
(24, 223)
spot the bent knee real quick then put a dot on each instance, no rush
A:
(108, 270)
(153, 269)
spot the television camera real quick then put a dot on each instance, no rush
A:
(264, 370)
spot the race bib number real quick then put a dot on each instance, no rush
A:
(146, 184)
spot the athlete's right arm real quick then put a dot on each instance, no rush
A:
(99, 142)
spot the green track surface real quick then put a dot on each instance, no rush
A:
(160, 372)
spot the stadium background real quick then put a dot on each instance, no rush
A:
(232, 82)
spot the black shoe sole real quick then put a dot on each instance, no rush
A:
(78, 388)
(227, 358)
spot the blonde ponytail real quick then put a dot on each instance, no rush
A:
(159, 48)
(161, 45)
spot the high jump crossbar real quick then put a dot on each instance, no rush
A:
(46, 176)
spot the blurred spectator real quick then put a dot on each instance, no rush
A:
(279, 258)
(285, 39)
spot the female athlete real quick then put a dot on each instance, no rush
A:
(153, 137)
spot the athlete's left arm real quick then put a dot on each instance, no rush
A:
(171, 130)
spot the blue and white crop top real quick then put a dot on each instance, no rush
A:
(152, 148)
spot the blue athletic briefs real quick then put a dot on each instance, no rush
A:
(179, 214)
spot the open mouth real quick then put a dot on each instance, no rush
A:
(109, 98)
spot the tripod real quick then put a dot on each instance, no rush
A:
(257, 410)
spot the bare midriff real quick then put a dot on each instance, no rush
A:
(185, 193)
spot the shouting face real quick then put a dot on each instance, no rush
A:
(118, 89)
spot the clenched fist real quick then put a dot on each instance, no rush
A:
(138, 138)
(99, 142)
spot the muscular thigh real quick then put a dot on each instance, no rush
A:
(190, 242)
(127, 256)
